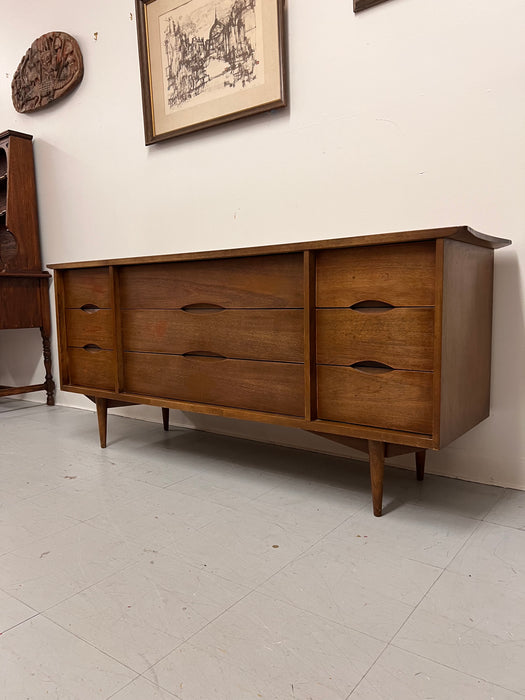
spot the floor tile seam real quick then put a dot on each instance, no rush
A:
(18, 624)
(504, 490)
(509, 527)
(433, 584)
(12, 595)
(134, 680)
(92, 645)
(304, 553)
(327, 619)
(196, 632)
(128, 565)
(457, 670)
(32, 542)
(369, 669)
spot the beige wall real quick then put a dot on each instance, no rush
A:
(408, 115)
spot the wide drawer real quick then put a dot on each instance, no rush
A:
(401, 275)
(271, 387)
(89, 327)
(258, 334)
(269, 281)
(395, 400)
(87, 287)
(91, 367)
(402, 338)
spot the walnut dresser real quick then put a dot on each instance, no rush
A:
(382, 342)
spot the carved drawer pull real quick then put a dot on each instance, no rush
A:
(90, 308)
(91, 347)
(203, 308)
(204, 354)
(372, 306)
(372, 367)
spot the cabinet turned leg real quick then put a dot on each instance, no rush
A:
(102, 415)
(166, 418)
(49, 383)
(420, 464)
(376, 456)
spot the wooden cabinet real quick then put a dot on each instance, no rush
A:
(24, 287)
(380, 342)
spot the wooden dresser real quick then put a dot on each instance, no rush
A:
(382, 343)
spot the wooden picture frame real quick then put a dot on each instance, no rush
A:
(365, 4)
(208, 62)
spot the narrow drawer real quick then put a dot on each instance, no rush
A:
(89, 327)
(401, 275)
(269, 281)
(257, 334)
(90, 367)
(89, 286)
(395, 400)
(402, 338)
(271, 387)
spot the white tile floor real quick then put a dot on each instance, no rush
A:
(192, 566)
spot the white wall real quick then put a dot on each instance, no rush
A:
(408, 115)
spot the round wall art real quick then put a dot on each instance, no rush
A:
(51, 67)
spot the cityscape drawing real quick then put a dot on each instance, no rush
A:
(209, 49)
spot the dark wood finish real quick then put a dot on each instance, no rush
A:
(24, 287)
(395, 399)
(91, 367)
(399, 337)
(457, 233)
(420, 464)
(466, 338)
(376, 457)
(87, 288)
(166, 418)
(275, 387)
(251, 334)
(102, 416)
(56, 59)
(400, 275)
(268, 282)
(238, 334)
(310, 374)
(362, 445)
(85, 327)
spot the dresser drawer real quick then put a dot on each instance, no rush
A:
(87, 287)
(91, 367)
(269, 281)
(400, 275)
(271, 387)
(395, 400)
(255, 334)
(89, 327)
(402, 338)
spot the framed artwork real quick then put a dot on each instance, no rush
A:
(365, 4)
(207, 62)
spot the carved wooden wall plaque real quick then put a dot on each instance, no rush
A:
(51, 68)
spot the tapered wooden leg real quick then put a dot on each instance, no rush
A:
(376, 456)
(102, 415)
(420, 464)
(166, 418)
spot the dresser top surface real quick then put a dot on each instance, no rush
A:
(459, 233)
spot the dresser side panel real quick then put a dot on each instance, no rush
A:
(466, 338)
